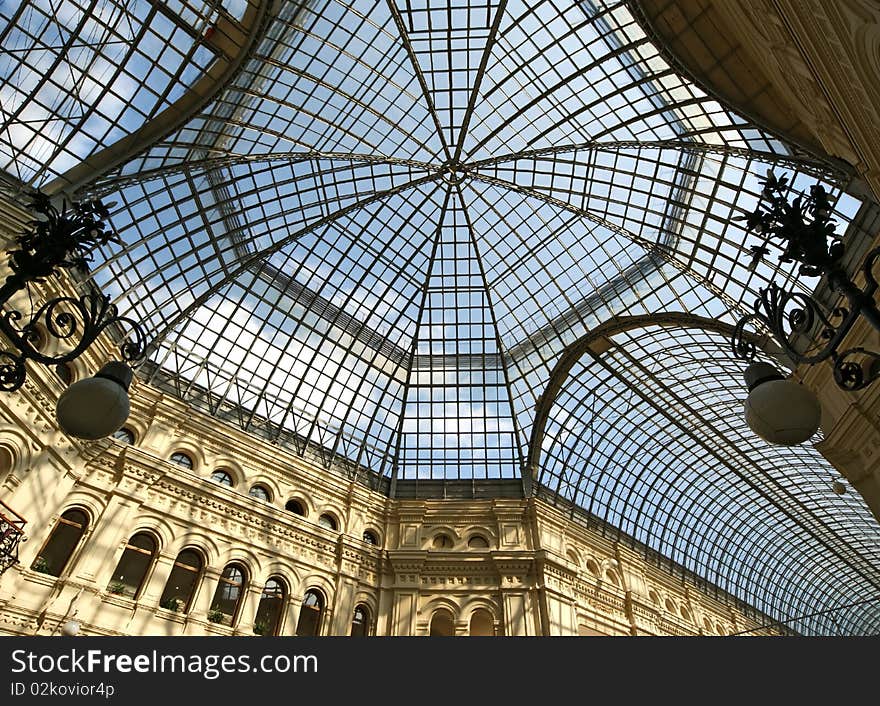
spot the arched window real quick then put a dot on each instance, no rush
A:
(593, 567)
(182, 581)
(64, 372)
(227, 597)
(125, 435)
(260, 493)
(271, 608)
(360, 621)
(707, 625)
(478, 541)
(133, 566)
(442, 624)
(670, 606)
(327, 521)
(296, 507)
(482, 623)
(612, 577)
(685, 613)
(182, 459)
(442, 541)
(62, 542)
(310, 614)
(370, 537)
(222, 477)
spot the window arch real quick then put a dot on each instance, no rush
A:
(182, 581)
(133, 566)
(125, 435)
(271, 607)
(612, 577)
(370, 537)
(296, 507)
(328, 521)
(478, 541)
(228, 596)
(260, 492)
(360, 621)
(222, 477)
(442, 624)
(482, 623)
(670, 605)
(64, 372)
(63, 541)
(181, 459)
(442, 541)
(655, 598)
(593, 567)
(311, 614)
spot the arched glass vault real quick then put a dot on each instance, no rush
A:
(369, 230)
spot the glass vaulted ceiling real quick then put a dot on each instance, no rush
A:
(379, 232)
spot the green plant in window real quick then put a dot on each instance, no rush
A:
(215, 615)
(117, 588)
(261, 627)
(41, 566)
(172, 604)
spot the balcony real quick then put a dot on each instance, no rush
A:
(11, 533)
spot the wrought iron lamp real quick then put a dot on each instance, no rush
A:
(98, 406)
(11, 535)
(779, 410)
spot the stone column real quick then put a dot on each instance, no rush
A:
(404, 615)
(247, 611)
(201, 602)
(516, 612)
(152, 591)
(291, 617)
(344, 607)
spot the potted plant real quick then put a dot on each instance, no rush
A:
(117, 588)
(41, 566)
(215, 615)
(172, 604)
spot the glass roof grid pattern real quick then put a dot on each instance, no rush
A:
(77, 75)
(457, 421)
(294, 359)
(584, 72)
(632, 449)
(177, 241)
(291, 252)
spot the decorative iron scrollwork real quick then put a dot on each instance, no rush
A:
(804, 329)
(11, 534)
(62, 238)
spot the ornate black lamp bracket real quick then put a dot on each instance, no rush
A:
(807, 234)
(56, 239)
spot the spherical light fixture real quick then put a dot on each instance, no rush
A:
(98, 406)
(779, 410)
(70, 628)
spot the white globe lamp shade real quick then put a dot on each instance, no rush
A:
(779, 410)
(98, 406)
(70, 628)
